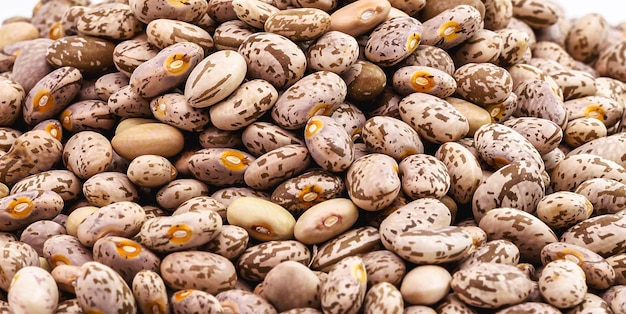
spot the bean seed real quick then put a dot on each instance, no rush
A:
(99, 280)
(562, 273)
(33, 290)
(262, 219)
(149, 291)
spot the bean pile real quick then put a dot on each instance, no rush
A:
(312, 156)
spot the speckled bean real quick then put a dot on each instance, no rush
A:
(432, 246)
(583, 130)
(129, 54)
(198, 270)
(345, 288)
(333, 51)
(188, 11)
(258, 260)
(23, 208)
(180, 231)
(321, 130)
(392, 137)
(100, 288)
(383, 298)
(192, 301)
(563, 209)
(523, 229)
(178, 191)
(425, 113)
(491, 285)
(372, 181)
(85, 53)
(483, 83)
(175, 110)
(562, 283)
(600, 234)
(15, 256)
(276, 166)
(300, 193)
(66, 250)
(565, 178)
(125, 256)
(150, 292)
(393, 40)
(352, 242)
(120, 218)
(262, 137)
(111, 20)
(87, 153)
(417, 78)
(108, 187)
(599, 273)
(247, 103)
(288, 66)
(451, 27)
(298, 24)
(604, 194)
(318, 93)
(166, 70)
(463, 168)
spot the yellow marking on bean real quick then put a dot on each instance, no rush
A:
(234, 160)
(359, 273)
(54, 130)
(16, 277)
(313, 127)
(355, 134)
(66, 119)
(594, 111)
(412, 42)
(499, 162)
(21, 207)
(156, 307)
(173, 173)
(423, 81)
(93, 310)
(161, 108)
(43, 101)
(496, 112)
(320, 109)
(449, 30)
(408, 152)
(182, 294)
(179, 234)
(310, 195)
(56, 31)
(570, 254)
(127, 249)
(178, 3)
(589, 207)
(176, 63)
(59, 259)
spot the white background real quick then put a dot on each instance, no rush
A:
(613, 10)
